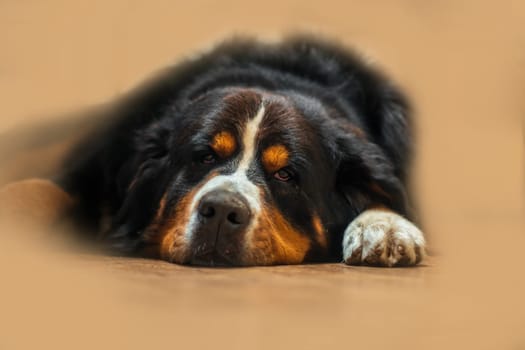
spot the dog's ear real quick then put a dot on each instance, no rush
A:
(149, 148)
(366, 177)
(153, 142)
(386, 117)
(374, 167)
(140, 184)
(390, 127)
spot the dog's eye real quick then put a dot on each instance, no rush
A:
(208, 158)
(283, 175)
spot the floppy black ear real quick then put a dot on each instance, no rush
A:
(140, 184)
(390, 128)
(149, 146)
(367, 178)
(385, 113)
(374, 168)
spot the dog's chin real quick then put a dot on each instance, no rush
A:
(213, 259)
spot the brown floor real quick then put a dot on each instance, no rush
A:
(63, 301)
(461, 62)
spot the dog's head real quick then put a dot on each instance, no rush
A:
(249, 177)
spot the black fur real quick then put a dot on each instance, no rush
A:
(153, 129)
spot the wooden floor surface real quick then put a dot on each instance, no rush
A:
(64, 300)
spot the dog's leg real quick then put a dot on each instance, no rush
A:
(33, 203)
(382, 238)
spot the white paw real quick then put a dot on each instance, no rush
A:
(382, 238)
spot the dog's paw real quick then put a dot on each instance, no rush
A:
(382, 238)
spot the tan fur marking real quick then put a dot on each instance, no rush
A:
(357, 131)
(319, 229)
(162, 206)
(224, 144)
(275, 241)
(275, 157)
(172, 243)
(374, 187)
(169, 228)
(153, 233)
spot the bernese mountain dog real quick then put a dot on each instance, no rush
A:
(253, 154)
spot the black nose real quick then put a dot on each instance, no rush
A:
(225, 209)
(223, 219)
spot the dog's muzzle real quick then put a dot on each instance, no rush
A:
(223, 217)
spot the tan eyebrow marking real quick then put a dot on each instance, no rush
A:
(224, 144)
(275, 157)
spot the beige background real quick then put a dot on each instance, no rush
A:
(463, 65)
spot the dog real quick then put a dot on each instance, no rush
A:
(253, 154)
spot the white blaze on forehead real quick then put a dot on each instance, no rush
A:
(248, 140)
(237, 182)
